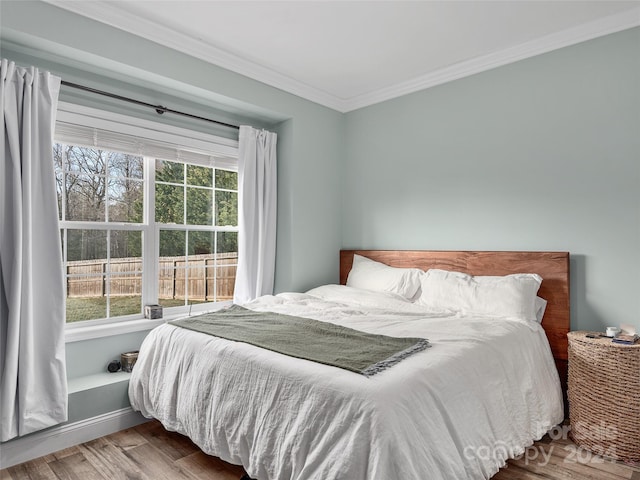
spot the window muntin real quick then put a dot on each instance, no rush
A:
(192, 224)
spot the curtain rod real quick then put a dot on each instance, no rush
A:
(158, 108)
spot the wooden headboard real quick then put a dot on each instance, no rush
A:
(553, 267)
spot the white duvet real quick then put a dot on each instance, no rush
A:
(485, 390)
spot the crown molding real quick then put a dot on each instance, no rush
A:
(103, 12)
(548, 43)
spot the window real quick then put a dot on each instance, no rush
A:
(143, 220)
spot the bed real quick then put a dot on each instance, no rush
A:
(485, 390)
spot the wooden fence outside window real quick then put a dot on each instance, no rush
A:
(205, 278)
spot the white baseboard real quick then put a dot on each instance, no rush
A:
(23, 449)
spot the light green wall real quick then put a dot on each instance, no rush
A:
(542, 154)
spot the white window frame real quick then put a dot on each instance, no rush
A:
(198, 141)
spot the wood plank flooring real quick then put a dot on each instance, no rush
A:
(149, 452)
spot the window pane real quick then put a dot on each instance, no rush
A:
(87, 160)
(125, 267)
(201, 243)
(226, 179)
(197, 281)
(125, 200)
(172, 243)
(210, 278)
(167, 171)
(199, 206)
(225, 281)
(80, 282)
(169, 204)
(228, 242)
(86, 264)
(126, 251)
(199, 176)
(124, 165)
(171, 282)
(172, 260)
(170, 302)
(226, 208)
(167, 283)
(85, 197)
(86, 307)
(85, 183)
(182, 283)
(86, 245)
(127, 305)
(125, 293)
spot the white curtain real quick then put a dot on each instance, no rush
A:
(257, 187)
(33, 386)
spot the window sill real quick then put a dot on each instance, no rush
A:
(89, 332)
(78, 334)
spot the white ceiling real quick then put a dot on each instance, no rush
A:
(350, 54)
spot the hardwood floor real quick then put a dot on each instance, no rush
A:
(561, 459)
(149, 452)
(145, 452)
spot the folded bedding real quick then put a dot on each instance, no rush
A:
(485, 390)
(322, 342)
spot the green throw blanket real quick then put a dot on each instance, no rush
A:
(321, 342)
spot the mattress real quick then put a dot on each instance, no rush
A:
(484, 391)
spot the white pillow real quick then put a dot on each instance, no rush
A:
(509, 296)
(541, 306)
(371, 275)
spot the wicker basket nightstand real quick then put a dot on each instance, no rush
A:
(604, 396)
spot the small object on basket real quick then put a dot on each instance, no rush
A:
(625, 339)
(128, 360)
(612, 331)
(153, 311)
